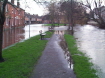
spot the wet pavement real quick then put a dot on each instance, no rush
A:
(52, 63)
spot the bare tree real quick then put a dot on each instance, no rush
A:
(53, 9)
(73, 11)
(2, 20)
(97, 12)
(68, 9)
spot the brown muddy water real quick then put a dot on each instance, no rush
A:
(91, 41)
(13, 36)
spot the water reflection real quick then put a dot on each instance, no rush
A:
(12, 36)
(34, 30)
(91, 41)
(18, 34)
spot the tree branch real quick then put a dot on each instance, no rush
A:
(3, 11)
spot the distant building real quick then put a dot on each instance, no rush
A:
(14, 15)
(27, 18)
(39, 19)
(103, 12)
(32, 19)
(59, 19)
(46, 19)
(97, 12)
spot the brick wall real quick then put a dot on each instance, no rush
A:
(14, 17)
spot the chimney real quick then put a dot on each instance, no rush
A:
(12, 1)
(18, 4)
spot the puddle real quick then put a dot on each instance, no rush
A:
(63, 45)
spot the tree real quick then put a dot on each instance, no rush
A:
(2, 20)
(67, 9)
(80, 16)
(97, 12)
(73, 11)
(53, 9)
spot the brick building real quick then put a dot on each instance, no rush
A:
(32, 19)
(14, 15)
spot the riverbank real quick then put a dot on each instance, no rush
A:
(82, 65)
(54, 24)
(21, 58)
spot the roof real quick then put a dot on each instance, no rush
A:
(15, 6)
(31, 15)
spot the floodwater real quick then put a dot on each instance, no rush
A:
(19, 34)
(91, 41)
(60, 32)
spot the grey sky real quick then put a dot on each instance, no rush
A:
(31, 7)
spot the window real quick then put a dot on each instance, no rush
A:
(6, 21)
(12, 10)
(6, 9)
(19, 21)
(15, 21)
(12, 22)
(15, 11)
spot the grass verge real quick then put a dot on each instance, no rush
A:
(21, 58)
(82, 65)
(54, 24)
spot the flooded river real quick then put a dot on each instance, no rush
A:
(15, 35)
(91, 41)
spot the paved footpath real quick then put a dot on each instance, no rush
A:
(52, 63)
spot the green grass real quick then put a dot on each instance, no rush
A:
(21, 58)
(82, 65)
(54, 24)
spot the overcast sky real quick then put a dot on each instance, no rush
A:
(31, 7)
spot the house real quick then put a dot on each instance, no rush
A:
(98, 12)
(59, 19)
(39, 19)
(27, 18)
(103, 12)
(14, 15)
(32, 18)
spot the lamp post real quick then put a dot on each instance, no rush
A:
(29, 25)
(72, 21)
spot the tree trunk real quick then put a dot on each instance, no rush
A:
(1, 42)
(102, 26)
(2, 20)
(72, 32)
(72, 21)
